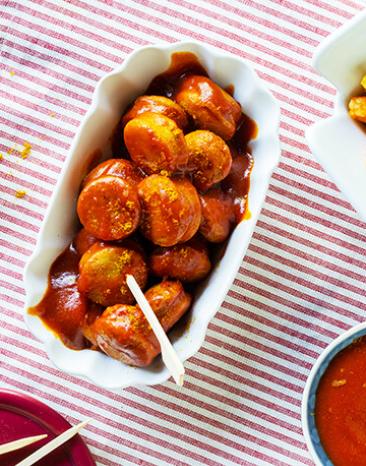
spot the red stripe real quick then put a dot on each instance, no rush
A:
(17, 234)
(26, 184)
(21, 223)
(21, 208)
(245, 337)
(321, 208)
(306, 283)
(313, 245)
(40, 123)
(305, 311)
(310, 271)
(120, 32)
(329, 7)
(270, 25)
(297, 20)
(315, 232)
(252, 314)
(9, 245)
(300, 294)
(36, 107)
(321, 221)
(221, 31)
(45, 162)
(199, 36)
(55, 44)
(29, 52)
(312, 259)
(242, 26)
(310, 13)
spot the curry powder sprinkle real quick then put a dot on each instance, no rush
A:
(20, 194)
(26, 150)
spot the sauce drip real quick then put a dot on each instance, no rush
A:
(63, 308)
(340, 408)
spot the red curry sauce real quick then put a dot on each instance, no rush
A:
(340, 409)
(63, 308)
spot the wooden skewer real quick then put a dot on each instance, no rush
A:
(52, 445)
(170, 357)
(20, 443)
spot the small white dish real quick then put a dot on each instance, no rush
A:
(339, 142)
(309, 396)
(112, 94)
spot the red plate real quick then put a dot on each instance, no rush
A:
(23, 416)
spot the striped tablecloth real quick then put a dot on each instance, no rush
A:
(302, 281)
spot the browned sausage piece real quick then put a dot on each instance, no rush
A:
(194, 216)
(103, 270)
(123, 332)
(83, 241)
(217, 215)
(166, 213)
(209, 158)
(157, 104)
(156, 144)
(187, 262)
(210, 106)
(117, 167)
(108, 208)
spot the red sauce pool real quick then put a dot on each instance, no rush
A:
(340, 408)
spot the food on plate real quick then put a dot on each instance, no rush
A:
(217, 215)
(187, 262)
(209, 105)
(157, 104)
(116, 167)
(357, 105)
(108, 208)
(159, 213)
(156, 144)
(340, 406)
(103, 269)
(123, 333)
(83, 241)
(209, 158)
(167, 212)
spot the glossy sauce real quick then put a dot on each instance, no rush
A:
(62, 294)
(63, 308)
(340, 409)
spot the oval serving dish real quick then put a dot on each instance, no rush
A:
(310, 431)
(112, 95)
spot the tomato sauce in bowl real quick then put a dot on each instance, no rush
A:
(334, 402)
(340, 406)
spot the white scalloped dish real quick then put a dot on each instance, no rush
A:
(112, 94)
(339, 142)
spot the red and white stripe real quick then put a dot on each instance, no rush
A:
(300, 285)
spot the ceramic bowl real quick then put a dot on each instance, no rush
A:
(339, 142)
(112, 94)
(308, 403)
